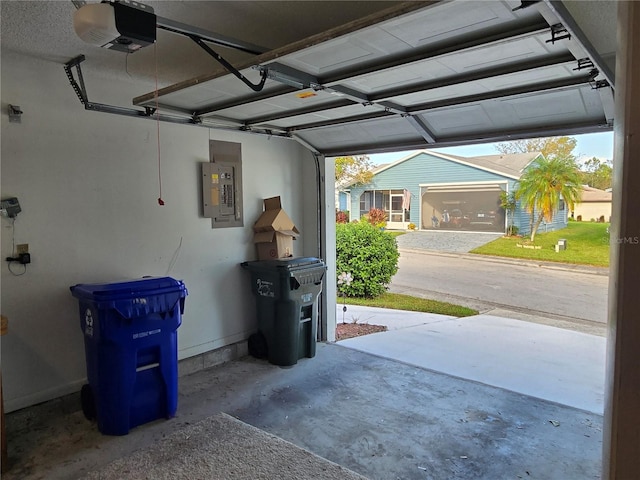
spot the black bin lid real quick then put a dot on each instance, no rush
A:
(288, 264)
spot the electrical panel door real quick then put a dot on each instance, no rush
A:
(222, 185)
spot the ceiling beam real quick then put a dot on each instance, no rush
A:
(416, 122)
(421, 128)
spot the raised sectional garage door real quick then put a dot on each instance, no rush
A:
(418, 75)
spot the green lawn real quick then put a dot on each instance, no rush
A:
(587, 243)
(413, 304)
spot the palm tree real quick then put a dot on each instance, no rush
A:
(544, 184)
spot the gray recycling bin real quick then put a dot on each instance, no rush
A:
(286, 293)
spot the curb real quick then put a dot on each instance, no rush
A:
(512, 261)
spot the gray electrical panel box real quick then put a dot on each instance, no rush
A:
(222, 185)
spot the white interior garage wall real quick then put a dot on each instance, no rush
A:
(88, 186)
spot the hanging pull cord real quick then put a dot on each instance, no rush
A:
(255, 87)
(157, 112)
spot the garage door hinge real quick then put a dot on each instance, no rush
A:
(597, 84)
(584, 63)
(558, 32)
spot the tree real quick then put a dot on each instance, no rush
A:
(544, 184)
(550, 147)
(355, 170)
(597, 173)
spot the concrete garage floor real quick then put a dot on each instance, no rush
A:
(556, 364)
(381, 418)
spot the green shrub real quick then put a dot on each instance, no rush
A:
(369, 254)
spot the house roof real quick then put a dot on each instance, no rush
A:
(348, 182)
(381, 167)
(508, 165)
(590, 194)
(511, 165)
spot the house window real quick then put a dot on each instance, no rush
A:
(561, 205)
(370, 199)
(365, 202)
(388, 200)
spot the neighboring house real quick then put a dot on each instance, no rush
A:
(594, 205)
(343, 191)
(446, 192)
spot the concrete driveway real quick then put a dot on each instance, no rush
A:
(446, 241)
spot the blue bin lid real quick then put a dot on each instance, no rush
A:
(142, 287)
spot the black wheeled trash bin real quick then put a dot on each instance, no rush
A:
(130, 337)
(286, 293)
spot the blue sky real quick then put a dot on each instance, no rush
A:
(589, 145)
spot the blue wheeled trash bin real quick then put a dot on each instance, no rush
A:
(130, 338)
(286, 293)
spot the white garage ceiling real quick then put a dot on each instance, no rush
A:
(384, 76)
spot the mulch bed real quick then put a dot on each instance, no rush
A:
(350, 330)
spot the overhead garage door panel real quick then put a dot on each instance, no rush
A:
(457, 92)
(558, 108)
(449, 20)
(352, 112)
(193, 96)
(391, 133)
(424, 74)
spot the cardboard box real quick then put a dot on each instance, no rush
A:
(274, 232)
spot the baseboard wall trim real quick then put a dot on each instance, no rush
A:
(68, 397)
(209, 359)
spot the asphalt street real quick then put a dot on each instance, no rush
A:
(435, 265)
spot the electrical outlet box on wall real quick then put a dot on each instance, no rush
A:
(222, 185)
